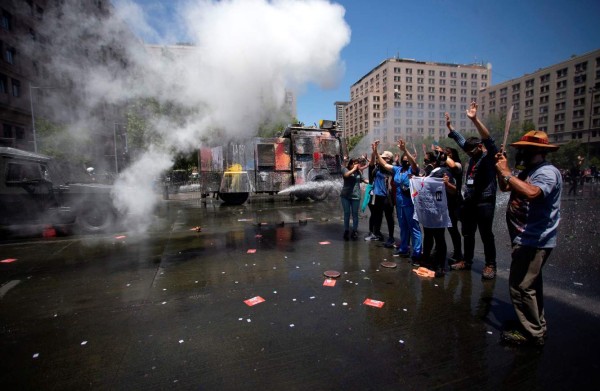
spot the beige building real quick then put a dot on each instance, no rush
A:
(563, 100)
(403, 98)
(340, 112)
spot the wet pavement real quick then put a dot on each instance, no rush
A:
(166, 309)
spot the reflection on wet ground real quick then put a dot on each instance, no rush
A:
(166, 309)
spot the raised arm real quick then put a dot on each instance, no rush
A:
(453, 134)
(411, 158)
(472, 114)
(377, 157)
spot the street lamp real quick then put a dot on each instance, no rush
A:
(591, 90)
(31, 88)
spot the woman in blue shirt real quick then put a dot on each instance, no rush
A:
(350, 197)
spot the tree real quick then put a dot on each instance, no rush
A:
(353, 141)
(567, 154)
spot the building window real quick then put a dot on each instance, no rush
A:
(16, 88)
(581, 67)
(442, 73)
(3, 84)
(529, 83)
(562, 73)
(431, 72)
(545, 78)
(10, 55)
(6, 131)
(6, 21)
(463, 75)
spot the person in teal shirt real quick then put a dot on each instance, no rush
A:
(350, 197)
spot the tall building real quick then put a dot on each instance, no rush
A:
(404, 98)
(563, 99)
(340, 111)
(49, 50)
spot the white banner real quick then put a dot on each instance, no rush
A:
(431, 206)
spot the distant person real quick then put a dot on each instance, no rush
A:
(437, 236)
(455, 203)
(575, 175)
(410, 230)
(479, 194)
(383, 205)
(532, 215)
(350, 197)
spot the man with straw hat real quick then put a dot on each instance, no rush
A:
(532, 217)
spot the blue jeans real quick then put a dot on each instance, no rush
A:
(409, 230)
(350, 206)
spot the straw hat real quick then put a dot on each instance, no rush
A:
(535, 138)
(387, 155)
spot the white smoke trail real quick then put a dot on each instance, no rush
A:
(246, 53)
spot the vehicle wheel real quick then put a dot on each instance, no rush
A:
(234, 198)
(95, 217)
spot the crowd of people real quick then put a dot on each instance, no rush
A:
(532, 214)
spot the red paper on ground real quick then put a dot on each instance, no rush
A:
(374, 303)
(120, 237)
(329, 282)
(325, 242)
(254, 301)
(251, 251)
(9, 260)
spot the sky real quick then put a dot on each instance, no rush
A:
(516, 37)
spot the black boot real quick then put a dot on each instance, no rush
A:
(346, 235)
(354, 235)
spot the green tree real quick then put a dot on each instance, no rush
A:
(567, 154)
(56, 141)
(353, 142)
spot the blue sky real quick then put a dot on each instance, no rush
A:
(516, 37)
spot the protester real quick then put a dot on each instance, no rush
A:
(455, 203)
(383, 204)
(371, 168)
(410, 231)
(479, 194)
(350, 197)
(437, 235)
(575, 175)
(532, 217)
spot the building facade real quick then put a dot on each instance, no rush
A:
(49, 48)
(404, 98)
(562, 100)
(340, 112)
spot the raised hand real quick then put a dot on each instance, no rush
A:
(472, 111)
(448, 122)
(402, 145)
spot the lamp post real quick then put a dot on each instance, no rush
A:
(591, 90)
(31, 88)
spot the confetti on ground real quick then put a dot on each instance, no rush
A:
(329, 282)
(374, 303)
(404, 309)
(344, 303)
(197, 229)
(244, 219)
(312, 297)
(251, 251)
(254, 301)
(9, 260)
(83, 343)
(181, 341)
(248, 320)
(128, 284)
(578, 283)
(120, 237)
(333, 304)
(240, 318)
(258, 236)
(292, 325)
(489, 332)
(36, 355)
(275, 292)
(325, 242)
(401, 341)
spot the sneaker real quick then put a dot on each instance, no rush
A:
(488, 273)
(517, 338)
(346, 235)
(369, 237)
(379, 238)
(400, 254)
(389, 243)
(354, 235)
(461, 265)
(440, 272)
(415, 262)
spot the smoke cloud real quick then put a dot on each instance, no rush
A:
(245, 54)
